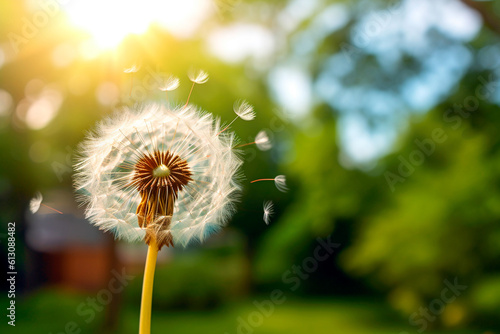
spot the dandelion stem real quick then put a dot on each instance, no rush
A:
(131, 85)
(261, 180)
(52, 208)
(189, 96)
(147, 288)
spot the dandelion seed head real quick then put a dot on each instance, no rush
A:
(35, 202)
(262, 141)
(198, 76)
(169, 83)
(280, 182)
(268, 211)
(158, 173)
(244, 110)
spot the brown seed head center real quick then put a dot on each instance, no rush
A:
(159, 177)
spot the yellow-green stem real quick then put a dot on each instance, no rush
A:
(147, 289)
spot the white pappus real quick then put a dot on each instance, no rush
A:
(158, 172)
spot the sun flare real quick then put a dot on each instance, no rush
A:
(109, 22)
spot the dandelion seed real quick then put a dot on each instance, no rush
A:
(134, 68)
(36, 201)
(279, 181)
(268, 211)
(243, 110)
(197, 77)
(261, 140)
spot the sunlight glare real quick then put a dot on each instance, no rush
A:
(109, 22)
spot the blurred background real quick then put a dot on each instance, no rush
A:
(383, 116)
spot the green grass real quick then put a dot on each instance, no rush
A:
(293, 316)
(49, 311)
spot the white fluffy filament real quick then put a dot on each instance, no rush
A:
(262, 141)
(169, 83)
(268, 211)
(198, 76)
(280, 182)
(244, 110)
(35, 202)
(134, 68)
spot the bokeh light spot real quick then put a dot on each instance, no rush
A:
(5, 102)
(239, 41)
(40, 113)
(63, 55)
(33, 88)
(78, 84)
(107, 93)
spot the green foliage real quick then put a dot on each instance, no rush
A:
(441, 223)
(50, 310)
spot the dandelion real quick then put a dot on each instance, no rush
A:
(36, 201)
(279, 181)
(268, 211)
(159, 175)
(197, 77)
(141, 170)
